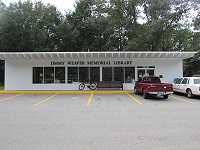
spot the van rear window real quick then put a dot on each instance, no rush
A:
(196, 81)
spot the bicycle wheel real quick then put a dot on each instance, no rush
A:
(81, 86)
(93, 86)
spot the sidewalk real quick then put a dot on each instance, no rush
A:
(70, 92)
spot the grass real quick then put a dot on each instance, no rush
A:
(1, 88)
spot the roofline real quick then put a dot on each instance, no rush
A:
(105, 54)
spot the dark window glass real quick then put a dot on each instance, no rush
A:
(184, 81)
(48, 75)
(179, 81)
(150, 72)
(94, 74)
(72, 74)
(151, 66)
(119, 74)
(37, 75)
(107, 73)
(141, 72)
(151, 80)
(60, 75)
(196, 81)
(83, 74)
(145, 66)
(129, 74)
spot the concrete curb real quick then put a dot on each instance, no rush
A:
(67, 92)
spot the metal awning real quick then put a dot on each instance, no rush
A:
(121, 54)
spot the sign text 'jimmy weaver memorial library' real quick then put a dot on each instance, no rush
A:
(82, 63)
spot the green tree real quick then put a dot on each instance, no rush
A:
(78, 20)
(192, 65)
(68, 37)
(197, 22)
(27, 26)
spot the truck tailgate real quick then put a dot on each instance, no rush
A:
(160, 87)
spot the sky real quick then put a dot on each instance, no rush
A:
(61, 5)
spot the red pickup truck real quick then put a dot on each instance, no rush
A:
(151, 85)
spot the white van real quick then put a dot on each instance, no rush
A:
(188, 85)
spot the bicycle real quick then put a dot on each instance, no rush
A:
(91, 85)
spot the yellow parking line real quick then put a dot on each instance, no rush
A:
(45, 99)
(89, 100)
(10, 97)
(134, 99)
(182, 99)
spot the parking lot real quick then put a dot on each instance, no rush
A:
(98, 121)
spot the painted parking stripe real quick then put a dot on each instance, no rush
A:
(45, 99)
(10, 97)
(180, 99)
(134, 99)
(90, 99)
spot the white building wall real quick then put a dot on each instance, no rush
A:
(18, 72)
(169, 68)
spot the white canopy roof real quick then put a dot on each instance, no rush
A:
(120, 54)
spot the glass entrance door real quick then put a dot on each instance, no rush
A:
(145, 72)
(141, 72)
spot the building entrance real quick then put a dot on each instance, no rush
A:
(145, 71)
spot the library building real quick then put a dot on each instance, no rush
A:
(66, 70)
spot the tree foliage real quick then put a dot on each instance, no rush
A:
(27, 26)
(192, 65)
(102, 25)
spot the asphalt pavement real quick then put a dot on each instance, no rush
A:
(98, 121)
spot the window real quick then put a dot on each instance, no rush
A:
(123, 74)
(37, 75)
(141, 72)
(119, 74)
(179, 81)
(94, 74)
(184, 81)
(60, 75)
(129, 74)
(150, 72)
(45, 75)
(107, 73)
(196, 81)
(83, 74)
(48, 75)
(72, 74)
(151, 80)
(145, 71)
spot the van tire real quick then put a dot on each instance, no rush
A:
(189, 93)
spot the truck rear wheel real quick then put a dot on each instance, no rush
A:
(144, 94)
(136, 91)
(165, 96)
